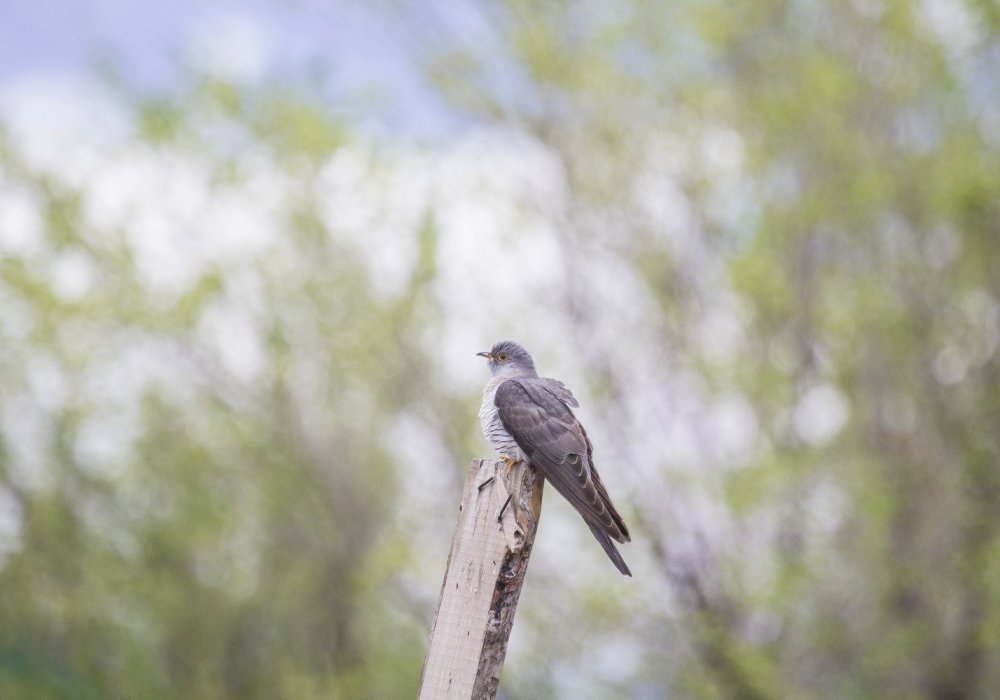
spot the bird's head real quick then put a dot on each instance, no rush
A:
(509, 359)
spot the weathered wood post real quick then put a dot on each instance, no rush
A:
(486, 569)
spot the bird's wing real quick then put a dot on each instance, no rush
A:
(560, 390)
(546, 430)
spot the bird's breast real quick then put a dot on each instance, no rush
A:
(489, 419)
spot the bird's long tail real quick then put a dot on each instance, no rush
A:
(610, 549)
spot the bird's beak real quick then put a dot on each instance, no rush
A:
(485, 353)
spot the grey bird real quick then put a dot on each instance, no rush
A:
(530, 418)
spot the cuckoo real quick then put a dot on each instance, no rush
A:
(530, 418)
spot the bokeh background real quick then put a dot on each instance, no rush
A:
(248, 252)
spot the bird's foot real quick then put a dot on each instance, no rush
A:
(511, 463)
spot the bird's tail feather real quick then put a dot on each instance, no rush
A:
(610, 549)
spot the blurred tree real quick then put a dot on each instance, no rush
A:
(194, 447)
(816, 186)
(769, 236)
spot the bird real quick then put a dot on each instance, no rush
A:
(529, 418)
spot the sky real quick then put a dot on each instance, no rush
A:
(362, 57)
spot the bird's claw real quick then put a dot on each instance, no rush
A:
(511, 463)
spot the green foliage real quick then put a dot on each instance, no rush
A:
(201, 458)
(219, 542)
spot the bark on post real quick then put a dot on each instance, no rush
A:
(486, 568)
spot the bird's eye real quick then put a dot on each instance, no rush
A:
(502, 357)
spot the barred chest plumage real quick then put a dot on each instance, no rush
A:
(493, 429)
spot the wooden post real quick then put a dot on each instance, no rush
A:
(486, 568)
